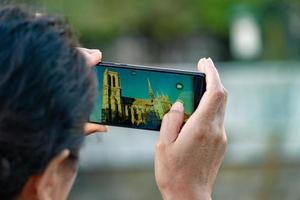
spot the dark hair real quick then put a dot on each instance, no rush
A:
(46, 95)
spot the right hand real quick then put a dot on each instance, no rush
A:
(187, 159)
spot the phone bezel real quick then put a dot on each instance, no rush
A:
(150, 68)
(197, 97)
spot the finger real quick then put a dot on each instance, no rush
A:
(172, 123)
(85, 50)
(92, 56)
(215, 96)
(213, 81)
(91, 128)
(96, 54)
(88, 50)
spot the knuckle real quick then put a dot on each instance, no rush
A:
(219, 95)
(160, 146)
(219, 140)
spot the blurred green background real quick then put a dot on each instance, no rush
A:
(256, 46)
(180, 30)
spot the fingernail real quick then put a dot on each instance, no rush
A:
(201, 64)
(177, 106)
(201, 61)
(210, 61)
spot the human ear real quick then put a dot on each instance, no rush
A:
(48, 185)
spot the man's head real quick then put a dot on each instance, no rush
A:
(46, 94)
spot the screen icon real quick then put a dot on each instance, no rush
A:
(179, 86)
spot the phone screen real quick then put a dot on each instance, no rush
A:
(139, 97)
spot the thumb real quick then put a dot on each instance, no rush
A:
(91, 128)
(172, 123)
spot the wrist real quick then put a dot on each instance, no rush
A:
(192, 193)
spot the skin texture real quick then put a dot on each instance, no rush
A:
(56, 181)
(187, 159)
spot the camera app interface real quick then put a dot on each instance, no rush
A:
(139, 98)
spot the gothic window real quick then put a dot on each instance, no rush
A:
(114, 82)
(136, 114)
(109, 80)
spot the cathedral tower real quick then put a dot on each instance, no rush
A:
(111, 99)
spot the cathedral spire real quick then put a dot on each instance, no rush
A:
(151, 94)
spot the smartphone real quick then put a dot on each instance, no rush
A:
(139, 96)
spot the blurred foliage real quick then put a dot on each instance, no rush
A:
(161, 20)
(161, 23)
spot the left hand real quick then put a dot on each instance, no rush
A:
(93, 57)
